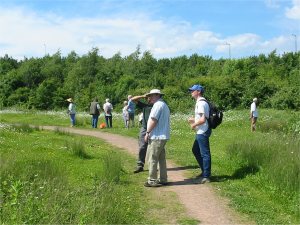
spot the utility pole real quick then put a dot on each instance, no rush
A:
(45, 49)
(295, 42)
(229, 49)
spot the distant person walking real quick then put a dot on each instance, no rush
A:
(253, 114)
(71, 111)
(199, 123)
(95, 112)
(131, 111)
(146, 109)
(107, 107)
(125, 114)
(157, 135)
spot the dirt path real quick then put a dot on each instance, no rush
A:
(200, 201)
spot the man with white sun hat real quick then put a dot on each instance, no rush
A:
(157, 135)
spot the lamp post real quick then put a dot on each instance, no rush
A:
(229, 49)
(295, 42)
(45, 49)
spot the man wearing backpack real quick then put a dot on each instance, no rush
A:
(199, 123)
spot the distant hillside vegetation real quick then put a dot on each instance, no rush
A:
(45, 83)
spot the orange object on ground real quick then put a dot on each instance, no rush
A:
(102, 125)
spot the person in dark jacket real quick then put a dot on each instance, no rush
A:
(95, 112)
(146, 109)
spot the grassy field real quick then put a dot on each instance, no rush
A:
(258, 172)
(59, 178)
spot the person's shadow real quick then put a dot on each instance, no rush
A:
(182, 168)
(240, 173)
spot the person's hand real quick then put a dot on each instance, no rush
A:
(192, 122)
(146, 138)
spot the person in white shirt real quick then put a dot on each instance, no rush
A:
(253, 114)
(71, 111)
(199, 123)
(107, 107)
(125, 114)
(157, 135)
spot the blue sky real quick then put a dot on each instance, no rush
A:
(166, 28)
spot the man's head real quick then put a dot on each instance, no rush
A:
(153, 95)
(129, 97)
(255, 100)
(196, 90)
(107, 100)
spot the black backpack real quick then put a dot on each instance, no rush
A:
(215, 115)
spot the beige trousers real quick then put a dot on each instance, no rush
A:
(157, 158)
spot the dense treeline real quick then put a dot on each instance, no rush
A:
(45, 83)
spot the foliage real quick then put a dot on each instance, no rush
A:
(45, 83)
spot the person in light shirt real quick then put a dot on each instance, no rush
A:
(253, 114)
(71, 111)
(199, 123)
(107, 107)
(157, 135)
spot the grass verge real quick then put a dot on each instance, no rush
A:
(44, 182)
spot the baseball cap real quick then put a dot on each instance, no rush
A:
(197, 87)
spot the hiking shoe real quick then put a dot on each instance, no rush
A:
(152, 184)
(202, 180)
(138, 169)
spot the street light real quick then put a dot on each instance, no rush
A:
(295, 42)
(45, 48)
(229, 49)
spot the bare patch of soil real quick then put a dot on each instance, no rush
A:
(200, 200)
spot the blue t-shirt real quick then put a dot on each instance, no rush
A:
(131, 107)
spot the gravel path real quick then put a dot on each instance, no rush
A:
(200, 200)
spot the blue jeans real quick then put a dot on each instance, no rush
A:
(72, 117)
(201, 151)
(95, 121)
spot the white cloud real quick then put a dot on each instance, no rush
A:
(275, 4)
(27, 33)
(294, 11)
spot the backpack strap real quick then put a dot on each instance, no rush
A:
(204, 100)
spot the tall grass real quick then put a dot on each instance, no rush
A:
(277, 157)
(23, 128)
(40, 194)
(77, 149)
(111, 168)
(38, 185)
